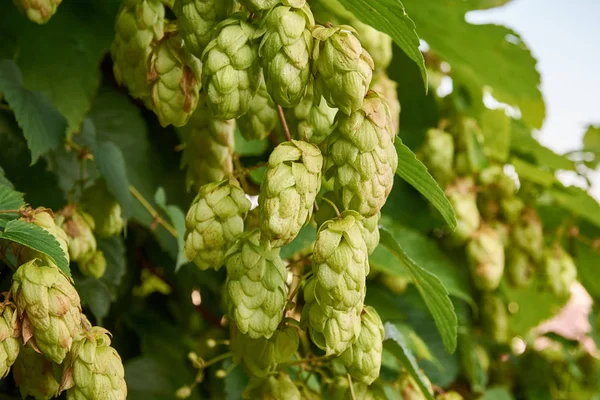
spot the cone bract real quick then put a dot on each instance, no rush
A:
(388, 89)
(311, 120)
(104, 209)
(44, 218)
(9, 342)
(79, 227)
(38, 11)
(272, 387)
(94, 266)
(370, 227)
(35, 375)
(261, 118)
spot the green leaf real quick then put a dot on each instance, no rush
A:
(434, 294)
(415, 173)
(177, 218)
(394, 342)
(43, 126)
(579, 202)
(496, 129)
(587, 268)
(475, 148)
(532, 173)
(524, 144)
(10, 199)
(591, 139)
(95, 294)
(235, 382)
(246, 148)
(111, 163)
(149, 378)
(497, 393)
(38, 239)
(389, 16)
(3, 180)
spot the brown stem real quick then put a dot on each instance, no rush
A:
(284, 124)
(155, 215)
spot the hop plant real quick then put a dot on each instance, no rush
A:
(35, 375)
(208, 147)
(363, 358)
(139, 25)
(528, 234)
(261, 118)
(214, 222)
(494, 318)
(519, 268)
(196, 20)
(438, 155)
(311, 120)
(559, 270)
(461, 194)
(49, 309)
(94, 266)
(361, 158)
(104, 209)
(388, 89)
(485, 254)
(44, 218)
(94, 369)
(272, 387)
(261, 356)
(79, 227)
(9, 337)
(288, 191)
(38, 11)
(231, 70)
(256, 286)
(342, 68)
(285, 51)
(174, 77)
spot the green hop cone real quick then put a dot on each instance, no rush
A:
(174, 77)
(261, 5)
(94, 266)
(342, 68)
(361, 158)
(559, 270)
(285, 51)
(9, 337)
(376, 43)
(410, 390)
(519, 268)
(485, 254)
(528, 234)
(496, 183)
(139, 25)
(272, 387)
(370, 227)
(311, 120)
(196, 20)
(452, 395)
(214, 222)
(261, 118)
(462, 196)
(208, 147)
(388, 89)
(256, 286)
(339, 389)
(503, 231)
(104, 209)
(79, 227)
(35, 375)
(231, 71)
(38, 11)
(44, 218)
(288, 190)
(437, 154)
(261, 356)
(494, 318)
(511, 209)
(363, 358)
(94, 369)
(48, 306)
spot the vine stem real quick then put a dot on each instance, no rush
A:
(155, 215)
(10, 211)
(351, 387)
(332, 204)
(284, 124)
(216, 359)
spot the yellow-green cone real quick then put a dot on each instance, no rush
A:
(35, 375)
(559, 270)
(104, 209)
(311, 120)
(485, 254)
(38, 11)
(463, 198)
(79, 227)
(9, 337)
(94, 266)
(272, 387)
(261, 118)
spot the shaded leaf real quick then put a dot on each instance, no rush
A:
(497, 393)
(10, 199)
(496, 129)
(579, 202)
(587, 268)
(246, 148)
(524, 144)
(111, 163)
(532, 173)
(177, 218)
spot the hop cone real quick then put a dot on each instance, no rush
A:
(261, 356)
(485, 254)
(496, 182)
(502, 230)
(285, 52)
(272, 387)
(363, 358)
(410, 390)
(49, 307)
(261, 118)
(196, 20)
(377, 44)
(519, 268)
(214, 222)
(494, 318)
(387, 89)
(139, 25)
(463, 199)
(94, 369)
(438, 155)
(9, 338)
(339, 389)
(104, 209)
(256, 286)
(44, 218)
(260, 5)
(342, 68)
(559, 270)
(94, 266)
(396, 284)
(174, 76)
(452, 395)
(512, 208)
(361, 157)
(311, 122)
(288, 190)
(35, 375)
(371, 232)
(38, 11)
(79, 227)
(231, 71)
(528, 234)
(209, 146)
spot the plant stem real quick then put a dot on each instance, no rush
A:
(337, 211)
(351, 387)
(284, 124)
(155, 215)
(10, 211)
(215, 360)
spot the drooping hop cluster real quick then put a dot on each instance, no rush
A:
(311, 122)
(361, 157)
(261, 118)
(208, 147)
(9, 334)
(256, 286)
(104, 209)
(214, 222)
(79, 227)
(289, 190)
(38, 11)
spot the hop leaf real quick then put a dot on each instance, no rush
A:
(462, 196)
(94, 266)
(278, 386)
(388, 89)
(311, 120)
(485, 254)
(208, 147)
(261, 118)
(104, 209)
(494, 318)
(49, 309)
(559, 270)
(38, 11)
(94, 369)
(288, 191)
(256, 286)
(342, 68)
(196, 20)
(285, 52)
(231, 72)
(9, 338)
(139, 24)
(79, 227)
(361, 158)
(35, 375)
(214, 222)
(174, 76)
